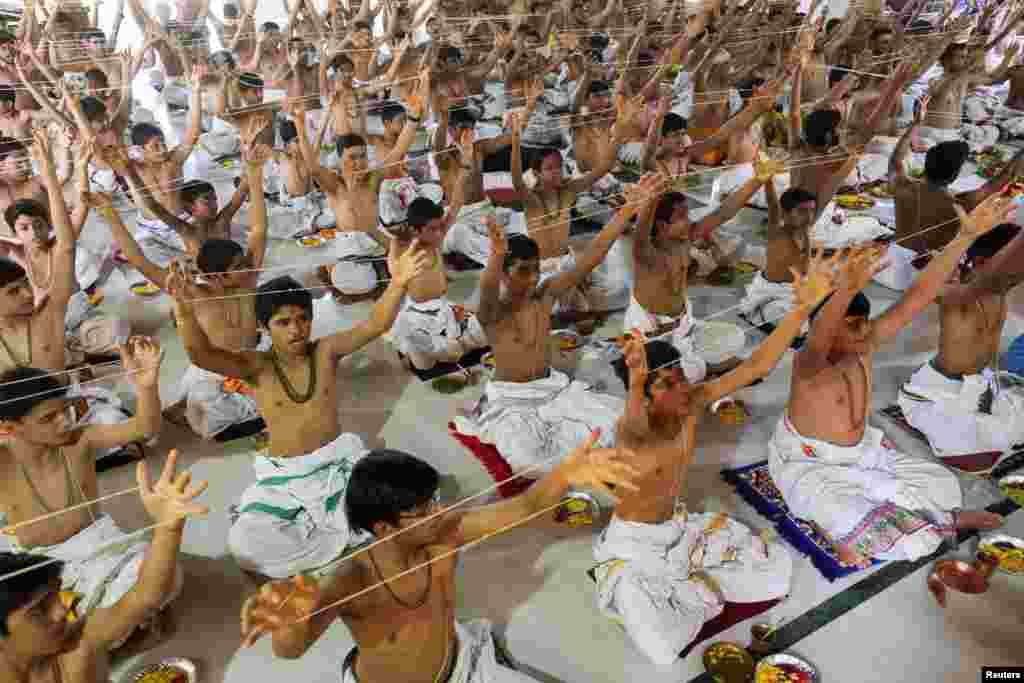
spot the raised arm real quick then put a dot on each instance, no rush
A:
(653, 142)
(243, 365)
(184, 150)
(404, 268)
(489, 308)
(415, 109)
(637, 198)
(898, 160)
(255, 159)
(811, 289)
(327, 179)
(140, 360)
(838, 179)
(992, 212)
(167, 503)
(124, 240)
(762, 102)
(63, 273)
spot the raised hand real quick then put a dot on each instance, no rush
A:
(278, 606)
(600, 468)
(862, 264)
(994, 211)
(818, 282)
(140, 358)
(408, 265)
(181, 286)
(466, 143)
(635, 355)
(170, 499)
(416, 103)
(199, 72)
(116, 157)
(42, 149)
(499, 242)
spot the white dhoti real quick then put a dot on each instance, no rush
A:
(767, 303)
(662, 582)
(89, 332)
(469, 235)
(159, 242)
(540, 422)
(476, 661)
(355, 272)
(101, 564)
(396, 194)
(292, 519)
(605, 289)
(102, 180)
(869, 497)
(979, 136)
(931, 136)
(947, 411)
(733, 177)
(425, 331)
(637, 317)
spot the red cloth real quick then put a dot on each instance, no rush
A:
(734, 613)
(492, 461)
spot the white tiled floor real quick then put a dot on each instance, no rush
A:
(533, 582)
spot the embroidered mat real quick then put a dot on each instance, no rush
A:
(755, 485)
(492, 461)
(972, 463)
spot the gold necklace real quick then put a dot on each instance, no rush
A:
(289, 389)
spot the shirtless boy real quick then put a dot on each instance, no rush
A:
(956, 399)
(926, 218)
(287, 521)
(52, 466)
(226, 312)
(661, 260)
(405, 629)
(40, 643)
(830, 465)
(531, 411)
(660, 426)
(351, 190)
(430, 329)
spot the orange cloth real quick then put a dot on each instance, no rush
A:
(712, 157)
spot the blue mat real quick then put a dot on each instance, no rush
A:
(755, 485)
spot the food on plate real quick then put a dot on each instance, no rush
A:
(881, 190)
(1009, 554)
(733, 413)
(328, 233)
(1013, 488)
(854, 201)
(782, 673)
(145, 289)
(165, 675)
(312, 242)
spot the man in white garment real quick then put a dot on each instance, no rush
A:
(662, 572)
(956, 399)
(396, 596)
(837, 471)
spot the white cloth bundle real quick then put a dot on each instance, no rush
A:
(947, 412)
(541, 422)
(637, 317)
(664, 581)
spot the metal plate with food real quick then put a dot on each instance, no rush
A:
(145, 289)
(855, 201)
(169, 670)
(1009, 550)
(729, 662)
(1012, 487)
(311, 242)
(785, 667)
(452, 383)
(567, 340)
(577, 509)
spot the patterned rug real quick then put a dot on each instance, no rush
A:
(755, 485)
(972, 463)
